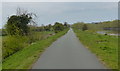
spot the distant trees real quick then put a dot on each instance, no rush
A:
(66, 25)
(58, 27)
(48, 27)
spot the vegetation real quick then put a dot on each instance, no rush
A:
(12, 44)
(111, 26)
(0, 53)
(58, 27)
(18, 24)
(108, 26)
(104, 46)
(23, 41)
(78, 25)
(3, 32)
(22, 31)
(17, 30)
(24, 58)
(84, 27)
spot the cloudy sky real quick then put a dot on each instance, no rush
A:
(71, 12)
(59, 0)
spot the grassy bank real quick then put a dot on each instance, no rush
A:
(24, 58)
(12, 44)
(0, 53)
(104, 46)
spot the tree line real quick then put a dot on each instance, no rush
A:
(57, 27)
(20, 24)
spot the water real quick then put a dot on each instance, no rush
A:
(101, 32)
(104, 32)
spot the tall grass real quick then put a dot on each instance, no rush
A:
(12, 44)
(26, 57)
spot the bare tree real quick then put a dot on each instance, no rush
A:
(20, 12)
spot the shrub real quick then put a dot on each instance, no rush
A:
(17, 25)
(58, 27)
(12, 44)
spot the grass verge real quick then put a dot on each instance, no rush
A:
(12, 44)
(0, 53)
(24, 58)
(104, 46)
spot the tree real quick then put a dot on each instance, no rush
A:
(66, 24)
(84, 27)
(50, 27)
(58, 27)
(18, 24)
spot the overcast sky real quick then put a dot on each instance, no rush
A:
(71, 12)
(59, 0)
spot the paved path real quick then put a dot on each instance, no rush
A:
(68, 53)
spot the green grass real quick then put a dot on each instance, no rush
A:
(24, 58)
(104, 46)
(0, 52)
(12, 44)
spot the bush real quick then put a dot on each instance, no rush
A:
(17, 25)
(58, 27)
(12, 44)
